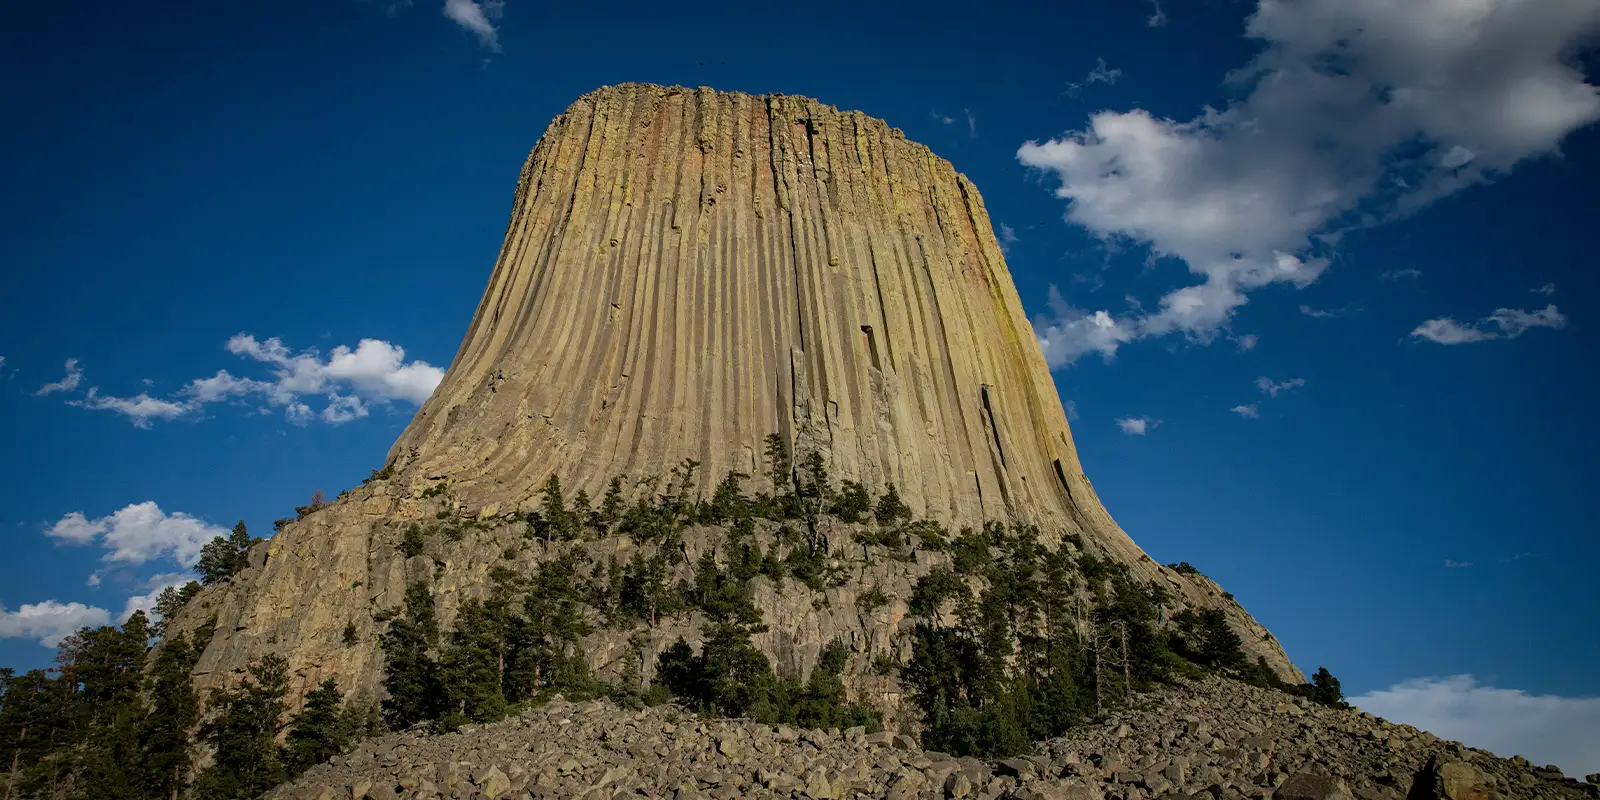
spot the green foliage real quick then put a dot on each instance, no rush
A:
(730, 677)
(350, 638)
(244, 734)
(852, 503)
(872, 599)
(410, 672)
(318, 731)
(165, 756)
(1183, 567)
(222, 558)
(891, 510)
(1324, 689)
(436, 490)
(412, 544)
(1206, 639)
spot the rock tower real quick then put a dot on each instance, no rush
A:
(686, 272)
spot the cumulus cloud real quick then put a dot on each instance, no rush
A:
(1356, 112)
(1397, 275)
(50, 621)
(67, 383)
(138, 534)
(1137, 426)
(375, 372)
(1067, 332)
(1247, 342)
(1271, 389)
(1545, 729)
(1251, 411)
(1504, 323)
(477, 18)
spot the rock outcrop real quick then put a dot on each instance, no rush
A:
(684, 273)
(1214, 740)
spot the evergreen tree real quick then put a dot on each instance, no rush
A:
(612, 505)
(411, 674)
(244, 736)
(221, 558)
(174, 710)
(890, 508)
(473, 662)
(1324, 689)
(318, 731)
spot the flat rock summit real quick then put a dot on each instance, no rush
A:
(702, 294)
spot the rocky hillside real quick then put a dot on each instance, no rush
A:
(1214, 740)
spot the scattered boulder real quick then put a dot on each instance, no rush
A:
(1204, 740)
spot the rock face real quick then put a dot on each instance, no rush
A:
(1216, 740)
(686, 272)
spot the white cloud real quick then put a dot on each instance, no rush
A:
(1453, 564)
(50, 621)
(1137, 426)
(68, 383)
(1546, 290)
(139, 533)
(1072, 410)
(1066, 333)
(342, 409)
(1510, 322)
(1397, 275)
(1102, 74)
(1157, 19)
(972, 123)
(1250, 411)
(139, 409)
(942, 118)
(477, 18)
(374, 372)
(1357, 112)
(1546, 729)
(156, 584)
(1324, 313)
(1247, 341)
(1271, 389)
(1008, 237)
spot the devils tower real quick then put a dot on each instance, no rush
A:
(685, 273)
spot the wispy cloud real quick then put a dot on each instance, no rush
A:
(1504, 323)
(1546, 729)
(1247, 341)
(1324, 313)
(1250, 411)
(1249, 195)
(1137, 426)
(943, 119)
(972, 123)
(1008, 237)
(68, 383)
(1271, 389)
(352, 381)
(1102, 74)
(1397, 275)
(1158, 18)
(1452, 564)
(477, 17)
(1072, 410)
(1546, 290)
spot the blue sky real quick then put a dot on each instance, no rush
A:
(1329, 341)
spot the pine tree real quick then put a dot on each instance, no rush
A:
(411, 675)
(245, 734)
(318, 731)
(221, 558)
(174, 710)
(472, 664)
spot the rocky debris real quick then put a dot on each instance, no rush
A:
(1211, 740)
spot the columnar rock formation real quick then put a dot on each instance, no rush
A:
(686, 272)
